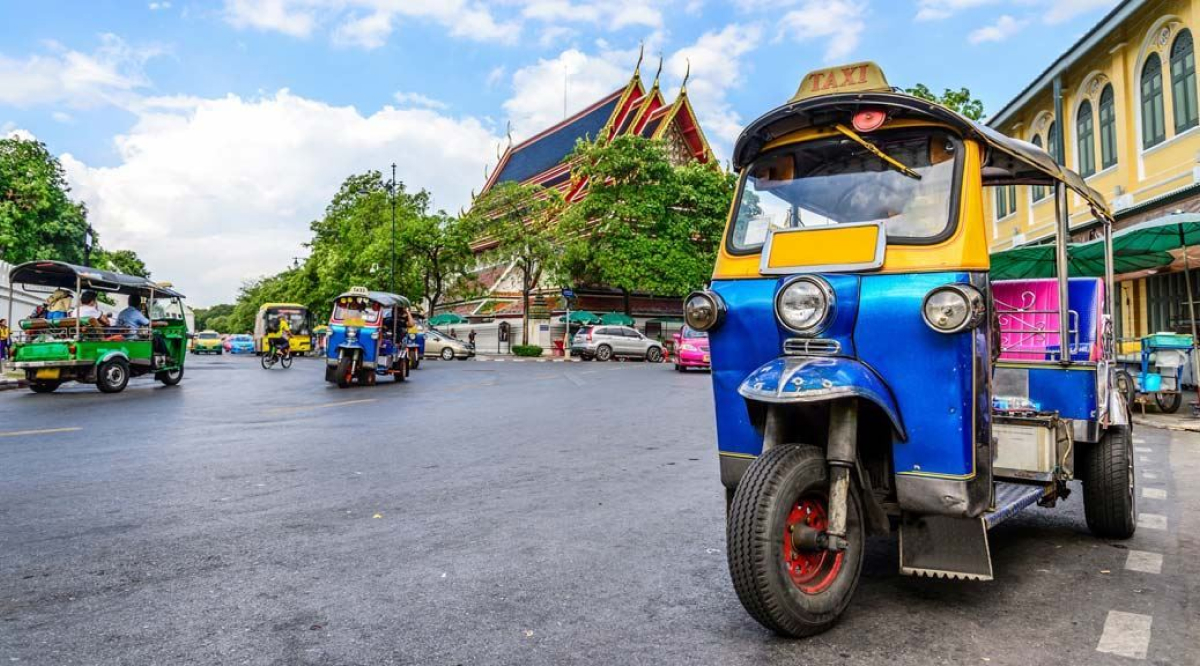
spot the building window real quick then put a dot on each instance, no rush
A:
(1108, 128)
(1039, 191)
(1085, 139)
(1006, 200)
(1154, 129)
(1012, 198)
(1183, 82)
(1052, 143)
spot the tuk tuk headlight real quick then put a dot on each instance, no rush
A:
(804, 304)
(953, 307)
(703, 310)
(351, 334)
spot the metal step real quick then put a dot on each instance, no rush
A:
(944, 547)
(1011, 498)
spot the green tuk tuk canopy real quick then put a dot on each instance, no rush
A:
(583, 318)
(616, 319)
(446, 319)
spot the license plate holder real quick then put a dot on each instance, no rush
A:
(47, 373)
(707, 358)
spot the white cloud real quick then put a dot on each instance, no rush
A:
(369, 32)
(1004, 27)
(418, 100)
(934, 10)
(213, 191)
(155, 6)
(840, 21)
(62, 117)
(610, 14)
(1059, 11)
(9, 130)
(716, 68)
(539, 89)
(291, 18)
(108, 75)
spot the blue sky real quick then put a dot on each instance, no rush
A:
(206, 136)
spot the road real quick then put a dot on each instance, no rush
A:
(497, 513)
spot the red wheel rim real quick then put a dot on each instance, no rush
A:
(811, 571)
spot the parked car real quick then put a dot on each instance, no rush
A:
(606, 342)
(240, 343)
(207, 342)
(691, 349)
(445, 347)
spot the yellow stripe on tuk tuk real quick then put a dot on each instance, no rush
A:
(848, 246)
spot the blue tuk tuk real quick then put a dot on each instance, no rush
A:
(870, 376)
(367, 332)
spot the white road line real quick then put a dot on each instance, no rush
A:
(1154, 493)
(573, 379)
(47, 431)
(1138, 440)
(1142, 449)
(1152, 521)
(1125, 634)
(326, 405)
(1146, 562)
(1149, 475)
(1143, 459)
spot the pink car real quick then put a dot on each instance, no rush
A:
(691, 350)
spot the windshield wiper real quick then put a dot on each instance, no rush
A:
(877, 152)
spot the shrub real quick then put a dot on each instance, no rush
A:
(527, 350)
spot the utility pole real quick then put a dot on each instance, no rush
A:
(392, 191)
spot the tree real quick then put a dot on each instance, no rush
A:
(216, 318)
(438, 248)
(121, 261)
(956, 100)
(522, 221)
(38, 220)
(646, 224)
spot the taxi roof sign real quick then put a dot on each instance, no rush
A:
(857, 77)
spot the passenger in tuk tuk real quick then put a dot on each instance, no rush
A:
(88, 308)
(131, 318)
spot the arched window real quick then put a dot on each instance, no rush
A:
(1085, 139)
(1052, 142)
(1108, 128)
(1039, 191)
(1183, 82)
(1006, 200)
(1154, 129)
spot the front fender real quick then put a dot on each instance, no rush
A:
(792, 379)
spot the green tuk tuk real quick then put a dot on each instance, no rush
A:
(52, 347)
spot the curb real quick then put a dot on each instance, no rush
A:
(1189, 427)
(526, 359)
(12, 384)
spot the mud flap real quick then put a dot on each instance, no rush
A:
(944, 547)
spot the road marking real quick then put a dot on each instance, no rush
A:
(47, 431)
(1143, 459)
(1138, 440)
(1142, 449)
(1152, 521)
(1154, 493)
(1146, 562)
(1149, 475)
(573, 379)
(1125, 634)
(324, 405)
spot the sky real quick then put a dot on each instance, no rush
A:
(206, 136)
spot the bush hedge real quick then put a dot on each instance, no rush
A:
(527, 350)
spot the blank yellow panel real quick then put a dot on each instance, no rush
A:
(825, 246)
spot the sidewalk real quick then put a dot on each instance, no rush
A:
(512, 358)
(10, 380)
(1181, 420)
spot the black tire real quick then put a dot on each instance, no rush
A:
(654, 355)
(587, 358)
(45, 386)
(1109, 500)
(113, 375)
(603, 353)
(679, 368)
(775, 487)
(344, 375)
(285, 361)
(1123, 382)
(1168, 403)
(447, 354)
(416, 363)
(267, 360)
(170, 377)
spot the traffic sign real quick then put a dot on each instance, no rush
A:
(568, 294)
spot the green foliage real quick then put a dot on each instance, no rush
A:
(527, 350)
(216, 318)
(523, 221)
(121, 261)
(438, 249)
(956, 100)
(646, 225)
(38, 220)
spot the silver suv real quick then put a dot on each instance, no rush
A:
(604, 342)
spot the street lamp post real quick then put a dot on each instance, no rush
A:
(89, 237)
(392, 192)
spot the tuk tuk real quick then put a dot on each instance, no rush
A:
(56, 347)
(868, 375)
(367, 338)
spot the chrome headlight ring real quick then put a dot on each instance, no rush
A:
(806, 292)
(704, 310)
(952, 308)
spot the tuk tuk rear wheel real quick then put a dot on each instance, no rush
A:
(112, 376)
(44, 386)
(1109, 500)
(170, 377)
(793, 591)
(1168, 403)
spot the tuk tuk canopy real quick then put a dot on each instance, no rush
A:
(384, 298)
(61, 275)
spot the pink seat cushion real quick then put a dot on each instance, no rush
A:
(1028, 313)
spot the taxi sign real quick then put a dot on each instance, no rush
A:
(359, 291)
(857, 77)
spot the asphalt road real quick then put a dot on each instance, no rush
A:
(497, 513)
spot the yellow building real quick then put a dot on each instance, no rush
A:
(1120, 108)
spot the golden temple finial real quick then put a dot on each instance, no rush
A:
(659, 72)
(637, 69)
(508, 133)
(686, 74)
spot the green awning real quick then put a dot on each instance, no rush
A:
(1137, 248)
(446, 318)
(583, 317)
(616, 319)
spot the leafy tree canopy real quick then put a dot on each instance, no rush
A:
(38, 220)
(956, 100)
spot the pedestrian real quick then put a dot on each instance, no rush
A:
(3, 339)
(452, 333)
(471, 338)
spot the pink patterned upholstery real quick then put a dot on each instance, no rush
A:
(1028, 313)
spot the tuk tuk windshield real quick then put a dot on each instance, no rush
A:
(166, 308)
(354, 309)
(837, 181)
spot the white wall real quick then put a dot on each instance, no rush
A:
(23, 302)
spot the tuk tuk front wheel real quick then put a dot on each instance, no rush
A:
(112, 376)
(345, 373)
(1109, 502)
(787, 582)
